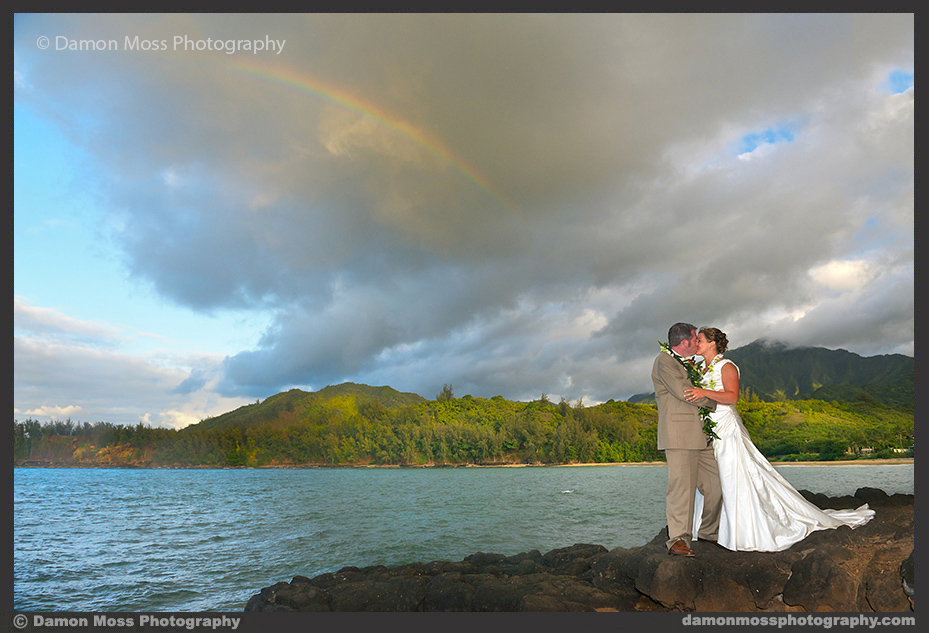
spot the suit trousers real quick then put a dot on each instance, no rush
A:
(690, 470)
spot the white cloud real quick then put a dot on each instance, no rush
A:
(843, 275)
(50, 323)
(53, 412)
(85, 377)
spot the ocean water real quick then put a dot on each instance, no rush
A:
(207, 540)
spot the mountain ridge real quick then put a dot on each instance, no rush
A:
(771, 371)
(774, 371)
(358, 425)
(291, 403)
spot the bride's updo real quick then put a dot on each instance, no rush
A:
(716, 336)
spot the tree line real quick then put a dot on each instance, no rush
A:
(351, 431)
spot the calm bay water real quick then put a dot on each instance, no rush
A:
(207, 540)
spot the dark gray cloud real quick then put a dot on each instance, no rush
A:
(514, 204)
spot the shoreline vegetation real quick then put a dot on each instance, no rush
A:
(841, 462)
(358, 426)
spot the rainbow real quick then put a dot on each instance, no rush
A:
(329, 92)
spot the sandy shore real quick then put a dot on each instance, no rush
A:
(841, 462)
(848, 462)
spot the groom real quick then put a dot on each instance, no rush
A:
(691, 463)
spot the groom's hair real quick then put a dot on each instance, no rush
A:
(679, 332)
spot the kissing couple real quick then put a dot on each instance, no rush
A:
(721, 488)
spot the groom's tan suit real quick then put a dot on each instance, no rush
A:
(691, 463)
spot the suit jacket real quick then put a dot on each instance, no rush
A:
(679, 423)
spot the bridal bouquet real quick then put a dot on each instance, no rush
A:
(695, 374)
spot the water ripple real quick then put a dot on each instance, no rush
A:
(206, 540)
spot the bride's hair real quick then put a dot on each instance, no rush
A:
(717, 336)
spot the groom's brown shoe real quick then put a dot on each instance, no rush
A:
(679, 548)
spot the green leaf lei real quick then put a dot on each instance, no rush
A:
(695, 374)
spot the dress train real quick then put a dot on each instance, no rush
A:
(761, 511)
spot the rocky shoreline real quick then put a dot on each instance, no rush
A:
(869, 569)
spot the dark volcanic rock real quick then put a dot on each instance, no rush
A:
(817, 583)
(863, 570)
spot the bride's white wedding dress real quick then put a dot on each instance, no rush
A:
(761, 510)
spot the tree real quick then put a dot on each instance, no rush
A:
(447, 394)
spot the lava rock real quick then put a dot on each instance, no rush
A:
(868, 569)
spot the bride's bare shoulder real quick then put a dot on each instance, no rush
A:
(726, 363)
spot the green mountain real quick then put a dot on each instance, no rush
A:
(284, 407)
(358, 425)
(773, 372)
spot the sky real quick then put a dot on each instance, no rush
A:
(212, 209)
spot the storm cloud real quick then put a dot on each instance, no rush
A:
(513, 204)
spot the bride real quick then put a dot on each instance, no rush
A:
(761, 510)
